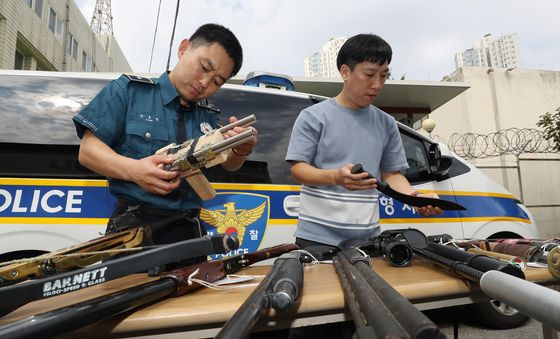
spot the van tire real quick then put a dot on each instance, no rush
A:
(496, 314)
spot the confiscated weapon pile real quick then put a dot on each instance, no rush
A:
(377, 309)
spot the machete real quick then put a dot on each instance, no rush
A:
(384, 188)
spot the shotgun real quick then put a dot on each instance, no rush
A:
(171, 284)
(280, 289)
(377, 309)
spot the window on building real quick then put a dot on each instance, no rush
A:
(55, 24)
(38, 6)
(84, 60)
(75, 49)
(18, 64)
(72, 46)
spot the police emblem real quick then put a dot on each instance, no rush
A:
(205, 128)
(243, 214)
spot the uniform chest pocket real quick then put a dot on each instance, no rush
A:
(144, 139)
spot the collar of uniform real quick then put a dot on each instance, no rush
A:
(168, 91)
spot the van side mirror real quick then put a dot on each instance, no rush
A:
(439, 159)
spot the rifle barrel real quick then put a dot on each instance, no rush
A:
(377, 316)
(247, 121)
(67, 319)
(279, 289)
(171, 284)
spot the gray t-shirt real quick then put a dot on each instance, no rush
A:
(328, 136)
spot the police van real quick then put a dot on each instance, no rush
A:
(49, 201)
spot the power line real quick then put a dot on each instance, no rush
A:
(154, 41)
(172, 35)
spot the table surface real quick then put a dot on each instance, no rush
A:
(421, 282)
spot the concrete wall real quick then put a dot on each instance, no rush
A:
(501, 99)
(22, 28)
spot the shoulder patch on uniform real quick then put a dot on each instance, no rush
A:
(137, 78)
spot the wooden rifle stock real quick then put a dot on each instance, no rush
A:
(205, 151)
(174, 283)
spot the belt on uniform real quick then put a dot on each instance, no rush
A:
(124, 205)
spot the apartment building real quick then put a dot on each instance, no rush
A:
(53, 35)
(488, 52)
(323, 63)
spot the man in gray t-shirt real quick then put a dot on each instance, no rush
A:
(331, 136)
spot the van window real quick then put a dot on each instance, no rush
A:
(39, 110)
(417, 159)
(37, 135)
(276, 113)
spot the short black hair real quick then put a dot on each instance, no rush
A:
(364, 47)
(210, 33)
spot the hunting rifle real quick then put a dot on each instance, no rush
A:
(280, 289)
(15, 296)
(171, 284)
(497, 279)
(529, 250)
(377, 309)
(205, 152)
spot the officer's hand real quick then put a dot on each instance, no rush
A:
(354, 182)
(247, 147)
(149, 173)
(429, 211)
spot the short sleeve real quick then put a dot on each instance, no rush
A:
(305, 138)
(105, 115)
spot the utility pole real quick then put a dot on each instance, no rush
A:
(102, 20)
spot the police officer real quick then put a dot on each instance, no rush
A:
(132, 117)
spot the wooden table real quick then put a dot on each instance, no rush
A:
(203, 312)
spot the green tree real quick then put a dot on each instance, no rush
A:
(550, 122)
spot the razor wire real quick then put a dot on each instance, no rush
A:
(507, 141)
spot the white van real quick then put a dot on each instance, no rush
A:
(49, 201)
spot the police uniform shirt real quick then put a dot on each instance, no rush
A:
(136, 117)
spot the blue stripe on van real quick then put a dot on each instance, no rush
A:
(64, 201)
(32, 198)
(477, 206)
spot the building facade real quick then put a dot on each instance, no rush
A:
(53, 35)
(323, 63)
(486, 52)
(501, 100)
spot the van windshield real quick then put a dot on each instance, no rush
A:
(39, 110)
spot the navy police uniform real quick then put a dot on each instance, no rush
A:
(137, 116)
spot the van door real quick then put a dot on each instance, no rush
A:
(420, 174)
(261, 197)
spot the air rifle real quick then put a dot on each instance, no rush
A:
(15, 296)
(497, 279)
(205, 152)
(171, 284)
(530, 250)
(280, 289)
(377, 309)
